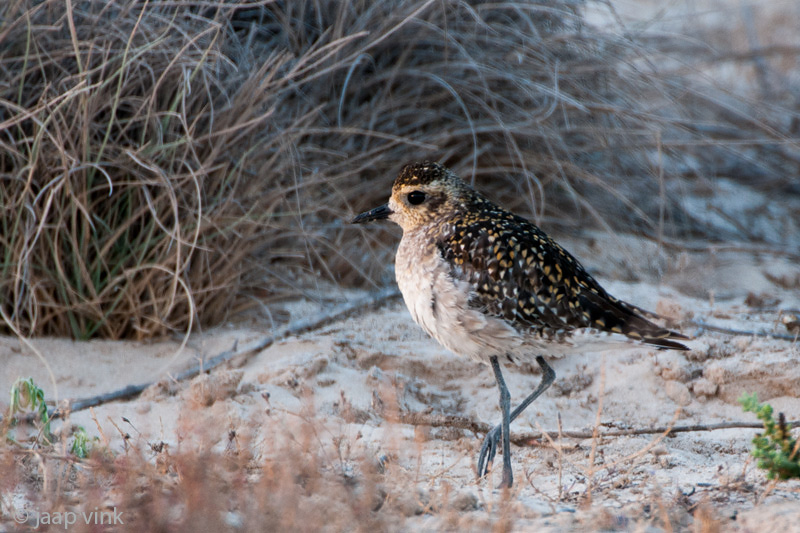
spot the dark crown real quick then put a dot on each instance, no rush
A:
(415, 174)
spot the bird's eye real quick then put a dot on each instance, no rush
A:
(416, 197)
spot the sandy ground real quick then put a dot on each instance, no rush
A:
(352, 378)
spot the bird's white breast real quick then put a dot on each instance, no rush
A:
(439, 304)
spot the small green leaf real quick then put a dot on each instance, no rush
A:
(775, 449)
(26, 396)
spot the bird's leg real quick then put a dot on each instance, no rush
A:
(505, 408)
(489, 448)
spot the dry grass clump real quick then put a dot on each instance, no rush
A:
(160, 160)
(127, 210)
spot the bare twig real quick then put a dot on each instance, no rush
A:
(560, 449)
(731, 331)
(650, 445)
(526, 438)
(293, 328)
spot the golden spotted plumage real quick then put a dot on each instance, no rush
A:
(514, 270)
(488, 284)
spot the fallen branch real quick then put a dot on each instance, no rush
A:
(525, 438)
(293, 328)
(731, 331)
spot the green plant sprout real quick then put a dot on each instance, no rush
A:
(26, 396)
(81, 444)
(777, 452)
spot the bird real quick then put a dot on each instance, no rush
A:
(491, 286)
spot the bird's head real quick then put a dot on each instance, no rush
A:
(422, 193)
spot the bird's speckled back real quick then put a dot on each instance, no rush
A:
(512, 270)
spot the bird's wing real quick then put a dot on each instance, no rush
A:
(515, 271)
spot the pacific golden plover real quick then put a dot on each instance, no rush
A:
(488, 284)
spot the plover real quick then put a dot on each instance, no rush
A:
(490, 285)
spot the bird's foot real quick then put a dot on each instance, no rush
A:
(489, 450)
(486, 457)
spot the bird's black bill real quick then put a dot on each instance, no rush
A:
(379, 213)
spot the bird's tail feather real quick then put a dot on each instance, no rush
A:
(609, 314)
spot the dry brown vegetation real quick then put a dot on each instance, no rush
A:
(164, 164)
